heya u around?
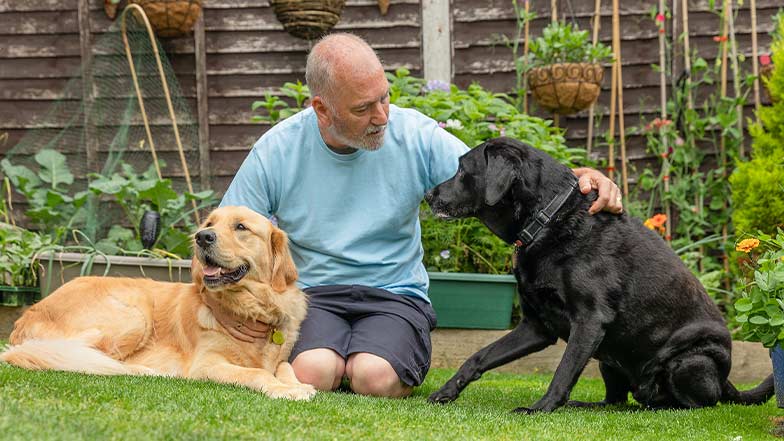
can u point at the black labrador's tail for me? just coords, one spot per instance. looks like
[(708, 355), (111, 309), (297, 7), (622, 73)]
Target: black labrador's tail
[(758, 395)]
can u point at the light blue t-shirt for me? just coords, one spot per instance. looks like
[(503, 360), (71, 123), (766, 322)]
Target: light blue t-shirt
[(351, 219)]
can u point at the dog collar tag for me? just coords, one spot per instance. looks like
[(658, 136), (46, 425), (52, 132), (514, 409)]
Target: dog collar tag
[(277, 337)]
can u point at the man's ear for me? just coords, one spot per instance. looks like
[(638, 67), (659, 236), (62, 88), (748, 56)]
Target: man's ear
[(284, 273), (499, 175), (322, 111)]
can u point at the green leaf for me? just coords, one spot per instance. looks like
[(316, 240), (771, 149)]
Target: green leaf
[(112, 185), (159, 194), (761, 279), (19, 175), (743, 305), (777, 321), (758, 320), (200, 196), (54, 169)]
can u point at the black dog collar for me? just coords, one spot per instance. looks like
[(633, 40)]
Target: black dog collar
[(544, 216)]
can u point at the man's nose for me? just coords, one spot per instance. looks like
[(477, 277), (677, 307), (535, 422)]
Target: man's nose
[(379, 116)]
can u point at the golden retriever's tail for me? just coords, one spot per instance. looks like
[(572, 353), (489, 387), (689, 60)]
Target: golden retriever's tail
[(67, 355)]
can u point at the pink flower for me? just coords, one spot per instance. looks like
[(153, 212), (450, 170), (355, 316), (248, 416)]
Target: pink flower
[(442, 124), (660, 18), (679, 141), (764, 59)]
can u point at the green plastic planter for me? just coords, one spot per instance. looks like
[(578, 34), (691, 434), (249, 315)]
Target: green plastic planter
[(476, 301), (18, 296)]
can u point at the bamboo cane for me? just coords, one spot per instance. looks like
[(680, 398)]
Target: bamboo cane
[(662, 134), (723, 141), (619, 85), (138, 9), (755, 56), (595, 40), (554, 18), (613, 102), (690, 105), (736, 76), (525, 55), (687, 51)]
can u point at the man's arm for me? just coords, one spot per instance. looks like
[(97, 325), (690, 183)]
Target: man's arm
[(609, 194)]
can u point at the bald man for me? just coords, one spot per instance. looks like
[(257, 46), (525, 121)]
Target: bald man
[(345, 178)]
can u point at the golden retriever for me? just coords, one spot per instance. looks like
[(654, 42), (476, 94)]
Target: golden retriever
[(105, 325)]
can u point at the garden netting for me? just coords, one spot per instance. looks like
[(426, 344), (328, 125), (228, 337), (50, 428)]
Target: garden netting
[(88, 166)]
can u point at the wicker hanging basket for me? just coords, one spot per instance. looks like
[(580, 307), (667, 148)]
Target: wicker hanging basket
[(308, 19), (566, 88), (171, 18)]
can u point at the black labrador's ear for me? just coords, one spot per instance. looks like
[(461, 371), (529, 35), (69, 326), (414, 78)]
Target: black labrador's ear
[(499, 175)]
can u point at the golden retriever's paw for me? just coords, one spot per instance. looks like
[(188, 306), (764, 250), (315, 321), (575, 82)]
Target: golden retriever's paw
[(308, 390), (301, 392)]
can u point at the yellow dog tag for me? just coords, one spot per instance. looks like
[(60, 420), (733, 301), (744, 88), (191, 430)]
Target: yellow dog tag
[(277, 337)]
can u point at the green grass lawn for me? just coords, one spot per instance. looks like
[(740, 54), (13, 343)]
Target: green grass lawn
[(57, 405)]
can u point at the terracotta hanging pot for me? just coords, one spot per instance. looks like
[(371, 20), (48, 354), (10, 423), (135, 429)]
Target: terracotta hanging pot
[(171, 18), (566, 88), (308, 19)]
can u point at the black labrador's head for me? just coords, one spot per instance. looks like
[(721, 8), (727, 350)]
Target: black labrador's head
[(501, 182)]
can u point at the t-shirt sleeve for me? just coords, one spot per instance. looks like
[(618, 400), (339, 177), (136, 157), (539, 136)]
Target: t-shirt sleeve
[(445, 149), (250, 186)]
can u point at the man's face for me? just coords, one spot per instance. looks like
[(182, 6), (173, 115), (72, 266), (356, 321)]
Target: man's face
[(360, 111)]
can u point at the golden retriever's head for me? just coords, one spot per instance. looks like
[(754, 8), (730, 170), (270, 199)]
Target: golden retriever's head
[(235, 243)]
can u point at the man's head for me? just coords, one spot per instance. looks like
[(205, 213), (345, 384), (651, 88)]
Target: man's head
[(350, 92)]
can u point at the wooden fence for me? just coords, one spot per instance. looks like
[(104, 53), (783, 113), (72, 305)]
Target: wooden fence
[(243, 52)]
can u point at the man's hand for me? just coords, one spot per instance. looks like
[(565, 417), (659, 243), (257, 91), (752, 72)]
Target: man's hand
[(242, 329), (609, 194)]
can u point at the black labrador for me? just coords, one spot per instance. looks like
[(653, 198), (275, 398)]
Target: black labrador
[(606, 284)]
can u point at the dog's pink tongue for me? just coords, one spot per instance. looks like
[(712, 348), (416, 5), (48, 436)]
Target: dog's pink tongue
[(211, 270)]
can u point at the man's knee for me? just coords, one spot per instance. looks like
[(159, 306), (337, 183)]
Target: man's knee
[(323, 368), (372, 375)]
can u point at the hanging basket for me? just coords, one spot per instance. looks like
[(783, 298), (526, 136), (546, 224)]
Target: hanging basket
[(566, 88), (171, 18), (308, 19)]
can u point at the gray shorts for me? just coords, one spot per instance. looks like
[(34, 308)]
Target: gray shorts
[(355, 318)]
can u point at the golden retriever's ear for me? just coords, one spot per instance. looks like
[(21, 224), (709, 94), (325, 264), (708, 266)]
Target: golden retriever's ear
[(284, 273)]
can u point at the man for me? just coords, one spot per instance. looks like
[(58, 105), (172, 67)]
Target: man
[(345, 179)]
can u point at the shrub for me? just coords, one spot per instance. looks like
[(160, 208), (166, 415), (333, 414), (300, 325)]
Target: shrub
[(758, 184)]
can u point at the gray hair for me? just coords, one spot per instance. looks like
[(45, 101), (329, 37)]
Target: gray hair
[(326, 56)]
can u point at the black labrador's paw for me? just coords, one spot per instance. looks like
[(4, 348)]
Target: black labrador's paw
[(446, 394), (586, 404), (544, 405)]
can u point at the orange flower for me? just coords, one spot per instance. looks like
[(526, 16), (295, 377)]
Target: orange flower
[(656, 223), (659, 219), (746, 245)]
